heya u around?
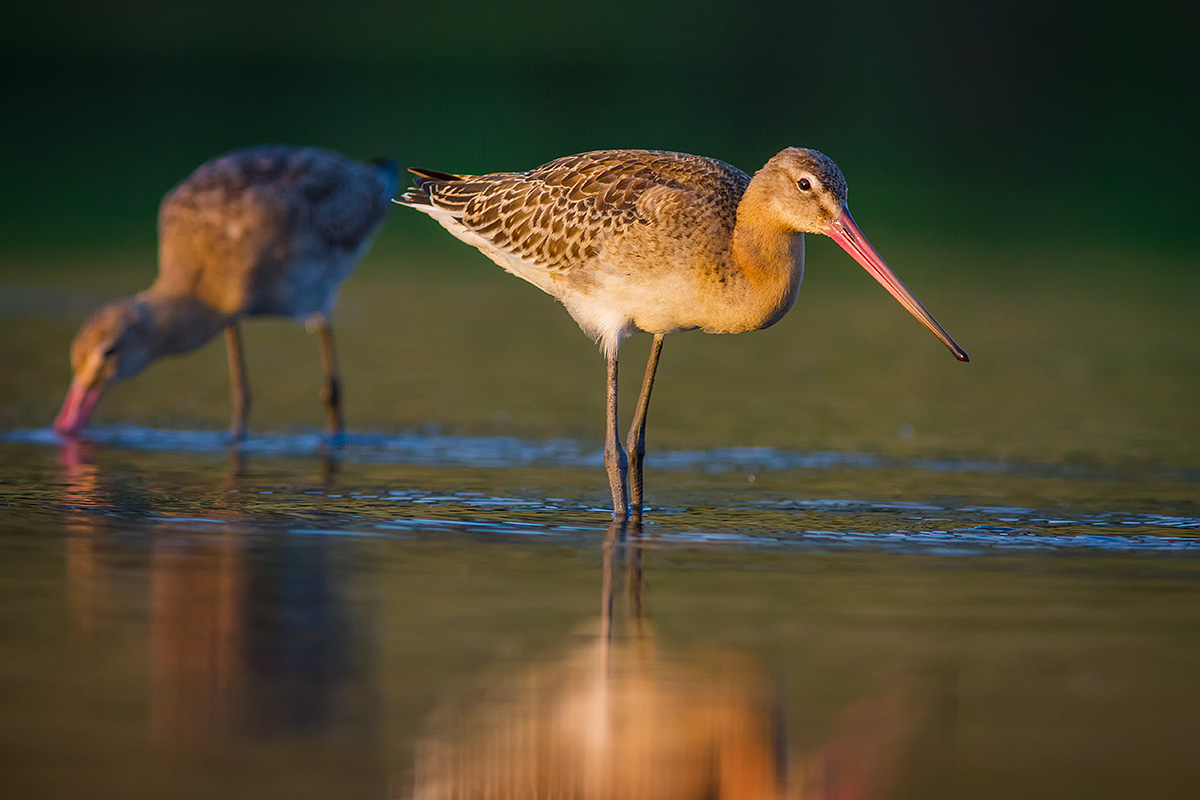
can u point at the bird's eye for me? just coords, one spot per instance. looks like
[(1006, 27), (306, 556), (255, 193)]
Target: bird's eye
[(804, 184), (111, 351)]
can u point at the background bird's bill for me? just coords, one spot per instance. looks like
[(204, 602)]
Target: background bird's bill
[(846, 233), (77, 407)]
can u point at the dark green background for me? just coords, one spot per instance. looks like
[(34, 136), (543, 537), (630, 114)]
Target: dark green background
[(1063, 123)]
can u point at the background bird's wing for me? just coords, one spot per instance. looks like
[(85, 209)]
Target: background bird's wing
[(346, 199), (231, 231), (282, 189)]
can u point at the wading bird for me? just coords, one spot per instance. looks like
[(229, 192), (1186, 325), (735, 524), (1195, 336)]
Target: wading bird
[(266, 231), (638, 240)]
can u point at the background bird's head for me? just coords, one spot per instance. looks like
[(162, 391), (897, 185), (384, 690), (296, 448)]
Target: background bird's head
[(114, 344)]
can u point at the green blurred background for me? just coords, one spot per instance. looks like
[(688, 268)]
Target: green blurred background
[(1028, 168), (1003, 119)]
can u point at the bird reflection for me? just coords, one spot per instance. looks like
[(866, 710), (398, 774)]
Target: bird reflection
[(618, 716), (625, 716), (249, 636), (328, 454), (197, 641), (86, 596)]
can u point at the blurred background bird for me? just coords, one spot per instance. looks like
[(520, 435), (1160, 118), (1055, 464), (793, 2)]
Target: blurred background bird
[(265, 231)]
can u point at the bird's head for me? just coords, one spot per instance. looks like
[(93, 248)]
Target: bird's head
[(114, 344), (808, 195), (807, 189)]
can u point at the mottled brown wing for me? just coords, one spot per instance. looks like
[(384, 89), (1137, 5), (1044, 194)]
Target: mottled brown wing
[(228, 232), (340, 199), (564, 212)]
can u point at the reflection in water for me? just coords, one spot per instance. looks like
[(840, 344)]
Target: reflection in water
[(623, 716), (638, 723), (932, 526), (248, 636), (196, 634), (329, 453), (85, 597), (438, 450)]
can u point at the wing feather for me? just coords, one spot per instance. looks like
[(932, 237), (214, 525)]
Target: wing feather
[(567, 211)]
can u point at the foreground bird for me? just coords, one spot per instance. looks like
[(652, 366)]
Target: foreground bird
[(639, 240), (257, 232)]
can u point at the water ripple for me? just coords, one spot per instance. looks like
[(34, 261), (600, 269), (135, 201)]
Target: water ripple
[(819, 526), (420, 449)]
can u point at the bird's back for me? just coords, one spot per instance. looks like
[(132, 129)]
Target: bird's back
[(562, 214), (624, 239), (270, 230)]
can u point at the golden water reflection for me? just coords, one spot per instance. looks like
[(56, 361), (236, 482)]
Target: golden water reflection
[(247, 638), (625, 715), (185, 631), (250, 639)]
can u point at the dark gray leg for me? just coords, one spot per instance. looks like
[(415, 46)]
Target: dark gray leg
[(637, 431), (239, 386), (614, 456), (331, 389)]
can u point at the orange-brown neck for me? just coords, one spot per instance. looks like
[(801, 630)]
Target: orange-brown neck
[(179, 323), (770, 255)]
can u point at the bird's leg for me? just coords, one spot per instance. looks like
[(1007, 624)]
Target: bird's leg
[(331, 389), (637, 431), (614, 456), (239, 385)]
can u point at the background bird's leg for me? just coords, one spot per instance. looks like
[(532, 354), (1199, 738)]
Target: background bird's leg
[(239, 386), (637, 432), (614, 456), (331, 389)]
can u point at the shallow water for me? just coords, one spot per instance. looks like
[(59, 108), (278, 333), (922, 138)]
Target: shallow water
[(866, 571), (301, 619)]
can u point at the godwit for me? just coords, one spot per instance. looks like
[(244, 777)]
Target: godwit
[(261, 231), (638, 240)]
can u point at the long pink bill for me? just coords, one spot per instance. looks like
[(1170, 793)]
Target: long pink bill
[(846, 233), (77, 408)]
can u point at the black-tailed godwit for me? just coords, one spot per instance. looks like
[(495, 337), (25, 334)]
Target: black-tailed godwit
[(262, 231), (638, 240)]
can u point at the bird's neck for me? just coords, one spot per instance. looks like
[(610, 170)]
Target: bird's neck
[(770, 255), (179, 322)]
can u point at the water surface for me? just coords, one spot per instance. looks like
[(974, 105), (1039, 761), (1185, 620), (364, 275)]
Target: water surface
[(865, 571)]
